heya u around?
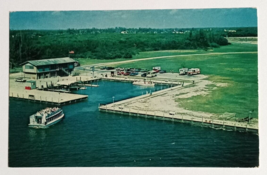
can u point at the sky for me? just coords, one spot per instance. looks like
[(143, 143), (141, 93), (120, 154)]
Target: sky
[(179, 18)]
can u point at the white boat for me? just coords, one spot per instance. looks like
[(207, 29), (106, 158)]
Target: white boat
[(83, 88), (144, 83), (46, 117)]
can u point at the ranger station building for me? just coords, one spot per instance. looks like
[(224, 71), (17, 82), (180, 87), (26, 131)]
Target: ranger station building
[(38, 69)]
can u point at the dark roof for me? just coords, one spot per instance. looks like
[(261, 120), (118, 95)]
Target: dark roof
[(50, 61)]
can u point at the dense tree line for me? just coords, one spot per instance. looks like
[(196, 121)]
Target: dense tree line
[(106, 43)]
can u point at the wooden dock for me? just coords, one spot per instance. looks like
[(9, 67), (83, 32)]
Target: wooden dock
[(56, 98)]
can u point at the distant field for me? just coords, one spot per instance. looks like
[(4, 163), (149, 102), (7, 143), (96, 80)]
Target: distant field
[(239, 71), (251, 40), (235, 47)]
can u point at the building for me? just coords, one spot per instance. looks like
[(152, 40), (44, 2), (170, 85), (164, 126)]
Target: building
[(38, 69)]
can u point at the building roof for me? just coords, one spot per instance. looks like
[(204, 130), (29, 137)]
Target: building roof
[(50, 61)]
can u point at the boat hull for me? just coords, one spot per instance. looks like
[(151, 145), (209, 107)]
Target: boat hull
[(42, 126), (143, 84)]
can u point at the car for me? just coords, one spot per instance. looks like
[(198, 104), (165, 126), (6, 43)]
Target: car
[(171, 113), (119, 69), (21, 79), (143, 70), (133, 73), (162, 71), (120, 73), (151, 74), (137, 69), (76, 64), (126, 73), (143, 74), (110, 68)]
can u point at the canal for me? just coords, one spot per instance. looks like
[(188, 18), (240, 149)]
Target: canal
[(89, 138)]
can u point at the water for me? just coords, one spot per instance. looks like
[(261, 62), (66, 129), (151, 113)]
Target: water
[(89, 138)]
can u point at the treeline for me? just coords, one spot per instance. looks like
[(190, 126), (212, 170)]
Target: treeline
[(107, 43), (241, 32)]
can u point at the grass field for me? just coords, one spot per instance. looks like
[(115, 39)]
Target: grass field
[(239, 71), (235, 47)]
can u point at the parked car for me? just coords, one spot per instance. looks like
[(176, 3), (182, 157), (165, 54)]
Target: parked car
[(20, 79), (120, 73), (76, 64), (143, 70), (110, 68), (133, 73), (137, 69), (119, 69), (143, 74), (162, 71), (151, 74), (126, 73), (171, 113)]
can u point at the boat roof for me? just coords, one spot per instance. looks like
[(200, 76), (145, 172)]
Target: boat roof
[(66, 82)]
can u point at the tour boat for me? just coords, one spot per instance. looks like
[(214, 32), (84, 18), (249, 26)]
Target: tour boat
[(46, 117), (144, 83)]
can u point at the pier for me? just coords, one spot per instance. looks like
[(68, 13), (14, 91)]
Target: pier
[(215, 124), (49, 97), (123, 107), (154, 80), (53, 94)]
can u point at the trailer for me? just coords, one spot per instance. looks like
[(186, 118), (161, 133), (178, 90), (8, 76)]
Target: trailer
[(156, 69), (197, 70), (183, 71), (192, 71)]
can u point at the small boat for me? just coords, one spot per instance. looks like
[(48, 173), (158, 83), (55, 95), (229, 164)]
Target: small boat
[(144, 83), (46, 117), (82, 88)]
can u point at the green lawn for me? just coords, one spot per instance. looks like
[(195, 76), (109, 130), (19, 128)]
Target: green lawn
[(235, 47), (239, 71)]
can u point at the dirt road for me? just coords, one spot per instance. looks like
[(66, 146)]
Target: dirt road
[(185, 55)]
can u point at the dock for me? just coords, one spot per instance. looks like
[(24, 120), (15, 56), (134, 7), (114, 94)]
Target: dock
[(132, 79), (53, 94), (89, 85), (49, 97), (215, 124), (121, 107)]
